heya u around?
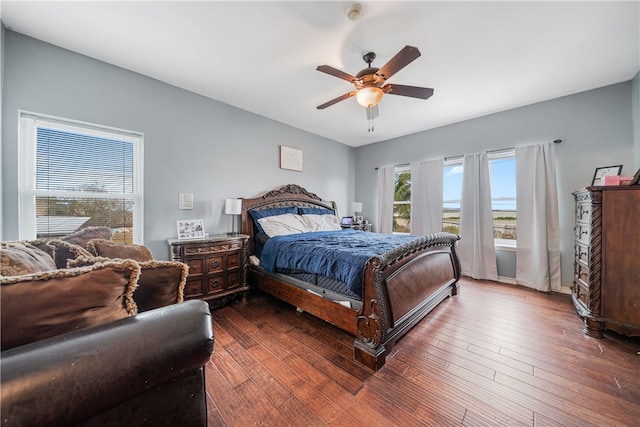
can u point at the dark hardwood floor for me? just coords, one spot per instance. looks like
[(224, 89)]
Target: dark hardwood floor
[(493, 355)]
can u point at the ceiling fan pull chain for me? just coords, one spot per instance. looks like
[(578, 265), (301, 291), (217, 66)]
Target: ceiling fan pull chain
[(372, 113)]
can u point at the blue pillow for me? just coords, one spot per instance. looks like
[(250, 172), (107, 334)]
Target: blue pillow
[(315, 211), (257, 214)]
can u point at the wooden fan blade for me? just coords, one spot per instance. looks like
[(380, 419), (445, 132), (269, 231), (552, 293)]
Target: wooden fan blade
[(403, 58), (336, 100), (412, 91), (336, 73)]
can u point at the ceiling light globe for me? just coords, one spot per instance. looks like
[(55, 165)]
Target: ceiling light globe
[(369, 96)]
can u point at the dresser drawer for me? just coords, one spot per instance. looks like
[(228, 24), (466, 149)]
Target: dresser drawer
[(582, 253), (195, 266), (582, 274), (582, 295), (583, 212), (233, 279), (583, 232), (215, 283), (211, 248), (193, 288), (215, 264), (233, 261)]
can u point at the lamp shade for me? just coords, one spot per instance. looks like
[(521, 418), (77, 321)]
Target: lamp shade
[(356, 207), (369, 96), (233, 206)]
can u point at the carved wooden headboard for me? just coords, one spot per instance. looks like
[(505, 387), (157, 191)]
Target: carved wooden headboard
[(286, 196)]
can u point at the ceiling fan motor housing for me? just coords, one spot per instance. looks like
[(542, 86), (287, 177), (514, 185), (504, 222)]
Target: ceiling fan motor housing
[(368, 77)]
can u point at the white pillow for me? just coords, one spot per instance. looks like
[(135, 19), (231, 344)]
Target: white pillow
[(321, 222), (281, 225)]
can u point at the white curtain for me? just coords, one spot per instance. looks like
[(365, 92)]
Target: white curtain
[(477, 249), (538, 252), (386, 188), (426, 196)]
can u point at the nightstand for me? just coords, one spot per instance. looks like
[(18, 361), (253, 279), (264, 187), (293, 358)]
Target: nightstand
[(217, 267), (364, 227)]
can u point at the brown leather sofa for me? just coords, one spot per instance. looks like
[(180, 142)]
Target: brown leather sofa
[(142, 370)]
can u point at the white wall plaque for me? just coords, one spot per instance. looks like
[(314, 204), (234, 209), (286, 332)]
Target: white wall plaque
[(290, 158), (185, 201)]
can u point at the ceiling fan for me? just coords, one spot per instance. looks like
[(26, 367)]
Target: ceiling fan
[(370, 82)]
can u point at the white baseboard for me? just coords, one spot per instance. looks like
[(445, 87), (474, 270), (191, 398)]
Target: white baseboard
[(509, 280), (512, 281)]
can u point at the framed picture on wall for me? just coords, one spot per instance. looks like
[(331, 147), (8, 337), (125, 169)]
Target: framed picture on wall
[(605, 171)]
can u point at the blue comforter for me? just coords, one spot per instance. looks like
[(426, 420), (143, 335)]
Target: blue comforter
[(340, 255)]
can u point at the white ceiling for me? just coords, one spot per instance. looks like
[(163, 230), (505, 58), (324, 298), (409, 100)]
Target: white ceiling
[(480, 57)]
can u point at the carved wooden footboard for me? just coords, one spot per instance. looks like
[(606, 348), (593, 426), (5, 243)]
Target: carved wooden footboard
[(399, 287)]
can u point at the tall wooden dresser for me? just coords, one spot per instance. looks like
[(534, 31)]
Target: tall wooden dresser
[(606, 284), (217, 267)]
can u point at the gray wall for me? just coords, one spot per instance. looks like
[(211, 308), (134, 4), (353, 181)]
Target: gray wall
[(197, 145), (595, 127), (1, 87), (192, 144), (635, 109)]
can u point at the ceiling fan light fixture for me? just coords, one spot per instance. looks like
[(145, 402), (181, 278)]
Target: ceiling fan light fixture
[(368, 96)]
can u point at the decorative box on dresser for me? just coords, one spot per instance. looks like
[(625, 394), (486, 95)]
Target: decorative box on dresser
[(606, 284), (217, 267)]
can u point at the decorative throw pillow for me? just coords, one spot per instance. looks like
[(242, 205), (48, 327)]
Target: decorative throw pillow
[(42, 305), (111, 249), (64, 251), (322, 222), (257, 214), (43, 245), (18, 258), (160, 283), (82, 236), (281, 225), (315, 211)]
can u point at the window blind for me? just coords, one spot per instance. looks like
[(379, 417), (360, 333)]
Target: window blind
[(77, 175)]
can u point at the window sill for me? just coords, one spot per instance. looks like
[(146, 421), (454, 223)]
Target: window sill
[(505, 245)]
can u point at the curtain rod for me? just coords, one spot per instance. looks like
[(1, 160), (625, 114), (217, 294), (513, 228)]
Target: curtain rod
[(555, 141)]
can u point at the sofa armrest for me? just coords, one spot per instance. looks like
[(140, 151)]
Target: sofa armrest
[(70, 378)]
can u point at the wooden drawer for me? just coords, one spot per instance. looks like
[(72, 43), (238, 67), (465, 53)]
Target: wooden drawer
[(212, 248), (583, 232), (193, 288), (582, 275), (215, 264), (233, 261), (582, 253), (583, 212), (582, 295), (233, 279), (215, 283), (195, 266)]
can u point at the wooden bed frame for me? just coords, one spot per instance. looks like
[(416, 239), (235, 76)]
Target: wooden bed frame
[(399, 289)]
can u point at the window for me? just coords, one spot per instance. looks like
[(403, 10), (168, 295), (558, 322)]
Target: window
[(502, 167), (76, 175), (402, 200), (452, 191)]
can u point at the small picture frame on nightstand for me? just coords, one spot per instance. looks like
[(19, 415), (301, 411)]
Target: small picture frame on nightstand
[(190, 228)]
